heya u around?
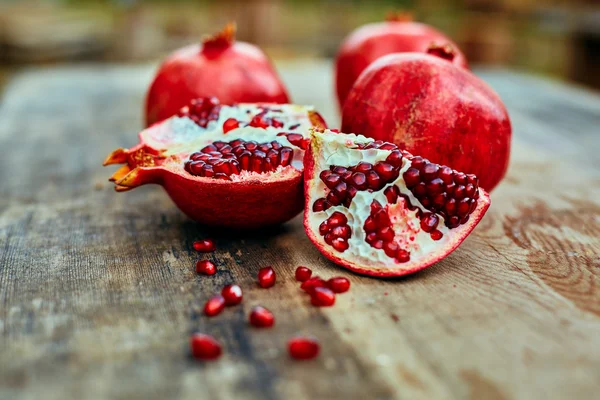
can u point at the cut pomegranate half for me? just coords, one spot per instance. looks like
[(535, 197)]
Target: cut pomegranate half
[(217, 174), (378, 210)]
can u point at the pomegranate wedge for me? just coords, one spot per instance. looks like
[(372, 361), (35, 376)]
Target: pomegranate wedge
[(232, 166), (378, 210)]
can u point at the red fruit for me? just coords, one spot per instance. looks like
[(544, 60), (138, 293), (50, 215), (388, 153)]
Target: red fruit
[(206, 267), (234, 72), (338, 284), (232, 295), (397, 35), (204, 245), (246, 178), (398, 228), (266, 277), (311, 284), (260, 317), (214, 306), (323, 297), (205, 347), (433, 108), (303, 347), (230, 124), (302, 274)]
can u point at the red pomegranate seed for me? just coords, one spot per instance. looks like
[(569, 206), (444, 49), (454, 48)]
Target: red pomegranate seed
[(214, 306), (323, 297), (436, 235), (338, 284), (205, 245), (205, 347), (266, 277), (232, 295), (303, 347), (260, 317), (302, 274), (206, 267), (309, 285), (230, 124)]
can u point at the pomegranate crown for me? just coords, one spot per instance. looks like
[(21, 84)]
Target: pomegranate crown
[(445, 51), (221, 39), (399, 16)]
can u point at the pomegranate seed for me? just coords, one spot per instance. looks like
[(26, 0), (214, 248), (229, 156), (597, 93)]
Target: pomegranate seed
[(206, 267), (338, 284), (205, 245), (260, 317), (436, 235), (214, 306), (205, 347), (323, 297), (310, 284), (303, 347), (303, 274), (266, 277), (230, 124), (232, 295)]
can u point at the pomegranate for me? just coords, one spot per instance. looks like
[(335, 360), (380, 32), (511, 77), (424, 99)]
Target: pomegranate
[(432, 108), (260, 317), (381, 211), (312, 283), (204, 245), (206, 267), (399, 34), (266, 277), (234, 72), (214, 306), (322, 297), (248, 177), (303, 347), (338, 284), (205, 347), (232, 294), (302, 274)]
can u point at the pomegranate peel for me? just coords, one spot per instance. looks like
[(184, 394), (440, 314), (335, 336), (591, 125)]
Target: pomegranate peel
[(389, 225), (267, 192)]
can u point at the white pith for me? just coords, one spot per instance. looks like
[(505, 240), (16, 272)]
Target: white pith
[(332, 149), (180, 136)]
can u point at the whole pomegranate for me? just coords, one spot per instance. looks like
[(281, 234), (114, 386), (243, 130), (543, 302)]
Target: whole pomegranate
[(232, 166), (378, 210), (234, 72), (430, 107), (398, 34)]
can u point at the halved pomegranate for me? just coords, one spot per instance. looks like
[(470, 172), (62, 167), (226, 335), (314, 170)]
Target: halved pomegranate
[(378, 210), (244, 177)]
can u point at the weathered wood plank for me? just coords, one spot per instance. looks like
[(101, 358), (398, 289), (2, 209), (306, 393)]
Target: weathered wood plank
[(98, 293)]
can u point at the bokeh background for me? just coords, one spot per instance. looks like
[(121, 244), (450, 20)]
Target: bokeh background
[(557, 38)]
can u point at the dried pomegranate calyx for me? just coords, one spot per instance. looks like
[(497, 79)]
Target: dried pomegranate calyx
[(377, 209)]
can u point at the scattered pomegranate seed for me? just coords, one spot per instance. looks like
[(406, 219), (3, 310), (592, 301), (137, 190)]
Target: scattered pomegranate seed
[(261, 317), (214, 306), (204, 245), (302, 274), (232, 295), (303, 347), (266, 277), (230, 124), (338, 284), (322, 297), (206, 267), (205, 347), (310, 284)]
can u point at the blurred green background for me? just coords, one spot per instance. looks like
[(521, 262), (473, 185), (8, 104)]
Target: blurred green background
[(549, 37)]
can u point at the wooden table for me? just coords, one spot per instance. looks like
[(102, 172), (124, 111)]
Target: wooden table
[(98, 295)]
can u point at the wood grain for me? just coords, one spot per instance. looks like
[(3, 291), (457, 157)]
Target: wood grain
[(98, 294)]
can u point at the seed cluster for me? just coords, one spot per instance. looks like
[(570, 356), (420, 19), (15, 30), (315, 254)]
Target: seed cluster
[(336, 231), (202, 110), (296, 139), (220, 160), (260, 120), (442, 190), (343, 183), (380, 234)]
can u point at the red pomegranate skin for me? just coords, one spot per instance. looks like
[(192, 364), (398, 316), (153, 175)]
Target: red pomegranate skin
[(430, 107), (372, 41), (234, 72)]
